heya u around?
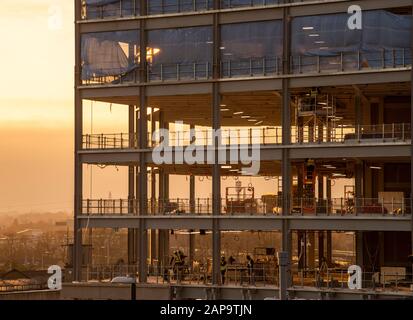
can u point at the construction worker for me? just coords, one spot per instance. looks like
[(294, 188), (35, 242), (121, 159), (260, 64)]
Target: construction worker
[(224, 268), (250, 269), (177, 262)]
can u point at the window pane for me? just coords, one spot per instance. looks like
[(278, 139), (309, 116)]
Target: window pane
[(101, 9), (248, 3), (173, 6)]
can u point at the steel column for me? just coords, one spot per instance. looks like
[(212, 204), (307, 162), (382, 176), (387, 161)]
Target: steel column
[(78, 184), (131, 188), (411, 155), (216, 168), (286, 138), (143, 143)]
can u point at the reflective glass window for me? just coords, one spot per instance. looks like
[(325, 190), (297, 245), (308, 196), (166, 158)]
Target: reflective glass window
[(175, 6), (101, 9)]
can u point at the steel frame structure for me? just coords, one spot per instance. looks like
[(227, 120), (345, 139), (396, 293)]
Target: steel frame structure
[(138, 159)]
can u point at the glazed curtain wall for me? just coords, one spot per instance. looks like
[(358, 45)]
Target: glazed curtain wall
[(248, 3), (384, 40), (180, 53), (106, 56), (172, 6), (101, 9), (251, 48)]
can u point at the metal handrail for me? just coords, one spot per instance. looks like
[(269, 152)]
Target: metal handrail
[(350, 61), (252, 207), (351, 206), (265, 66), (179, 71), (383, 133)]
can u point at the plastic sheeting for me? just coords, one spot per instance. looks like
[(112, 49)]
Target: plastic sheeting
[(183, 45), (251, 40), (329, 35), (108, 53), (253, 48)]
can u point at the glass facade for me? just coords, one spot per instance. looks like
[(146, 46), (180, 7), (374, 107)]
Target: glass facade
[(325, 43), (109, 57), (250, 49), (105, 9), (248, 3), (176, 6), (321, 43), (183, 53)]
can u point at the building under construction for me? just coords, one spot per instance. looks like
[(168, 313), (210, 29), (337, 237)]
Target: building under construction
[(323, 110)]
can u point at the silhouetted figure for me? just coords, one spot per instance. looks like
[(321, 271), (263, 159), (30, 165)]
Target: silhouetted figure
[(224, 268), (250, 269)]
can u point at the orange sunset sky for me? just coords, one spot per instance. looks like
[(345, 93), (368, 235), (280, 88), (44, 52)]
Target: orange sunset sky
[(36, 116)]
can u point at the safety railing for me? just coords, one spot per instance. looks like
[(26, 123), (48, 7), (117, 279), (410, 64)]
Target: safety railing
[(179, 71), (351, 206), (233, 206), (234, 136), (381, 133), (264, 136), (107, 272), (22, 287), (110, 141), (261, 275), (259, 67), (252, 67), (181, 207), (380, 281), (350, 61), (131, 76), (96, 207)]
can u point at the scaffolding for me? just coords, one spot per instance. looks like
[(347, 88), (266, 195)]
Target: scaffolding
[(315, 117)]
